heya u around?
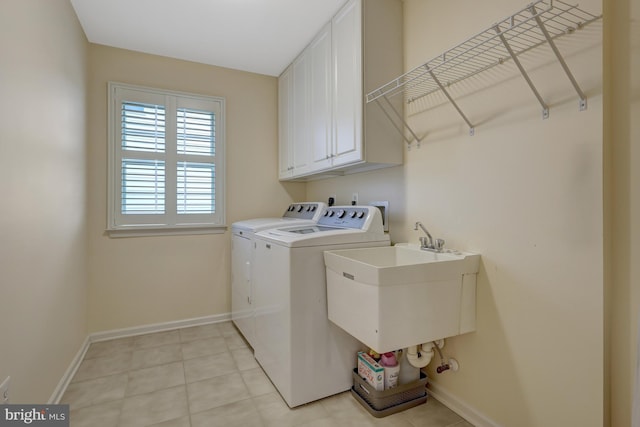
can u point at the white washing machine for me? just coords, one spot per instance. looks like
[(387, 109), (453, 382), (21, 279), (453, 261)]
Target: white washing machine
[(306, 356), (242, 248)]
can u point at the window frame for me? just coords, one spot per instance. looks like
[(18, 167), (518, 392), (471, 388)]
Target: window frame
[(129, 225)]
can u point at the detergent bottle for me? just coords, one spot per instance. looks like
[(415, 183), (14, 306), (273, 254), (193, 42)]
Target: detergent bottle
[(391, 370)]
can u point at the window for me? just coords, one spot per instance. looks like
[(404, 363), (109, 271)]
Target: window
[(166, 162)]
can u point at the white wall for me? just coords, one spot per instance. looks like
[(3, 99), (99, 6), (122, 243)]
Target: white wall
[(146, 280), (525, 193), (43, 216)]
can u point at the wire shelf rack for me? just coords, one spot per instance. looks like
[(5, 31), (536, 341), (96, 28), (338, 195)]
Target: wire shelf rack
[(536, 24)]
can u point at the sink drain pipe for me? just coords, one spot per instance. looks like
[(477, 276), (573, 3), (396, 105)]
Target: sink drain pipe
[(421, 358)]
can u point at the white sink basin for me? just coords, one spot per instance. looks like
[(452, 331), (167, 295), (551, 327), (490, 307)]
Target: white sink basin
[(397, 296), (401, 264)]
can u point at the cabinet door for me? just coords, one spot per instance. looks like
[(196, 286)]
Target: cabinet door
[(320, 99), (285, 123), (347, 83), (301, 132)]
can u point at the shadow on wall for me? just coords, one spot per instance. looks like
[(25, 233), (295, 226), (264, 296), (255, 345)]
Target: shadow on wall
[(491, 345)]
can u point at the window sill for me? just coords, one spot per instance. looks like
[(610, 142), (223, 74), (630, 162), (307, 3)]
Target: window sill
[(147, 231)]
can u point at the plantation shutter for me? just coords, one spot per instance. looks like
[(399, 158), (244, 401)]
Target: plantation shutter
[(143, 180), (196, 180), (167, 168)]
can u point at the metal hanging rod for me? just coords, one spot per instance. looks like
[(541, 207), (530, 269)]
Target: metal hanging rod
[(540, 22)]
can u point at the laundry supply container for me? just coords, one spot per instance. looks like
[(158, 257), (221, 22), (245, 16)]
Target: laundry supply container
[(381, 403)]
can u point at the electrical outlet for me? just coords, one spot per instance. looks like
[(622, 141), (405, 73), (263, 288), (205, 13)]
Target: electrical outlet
[(4, 390), (354, 199)]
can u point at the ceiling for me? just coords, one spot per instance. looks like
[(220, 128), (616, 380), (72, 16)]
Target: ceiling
[(260, 36)]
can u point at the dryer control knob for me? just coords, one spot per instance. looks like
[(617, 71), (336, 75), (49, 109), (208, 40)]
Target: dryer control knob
[(300, 208), (341, 213), (360, 215), (352, 214)]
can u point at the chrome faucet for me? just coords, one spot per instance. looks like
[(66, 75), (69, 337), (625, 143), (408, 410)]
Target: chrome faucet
[(427, 243)]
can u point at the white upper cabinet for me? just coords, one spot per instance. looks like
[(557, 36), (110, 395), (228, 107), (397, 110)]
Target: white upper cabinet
[(294, 137), (325, 126), (347, 84), (285, 123), (320, 100), (305, 110), (301, 114)]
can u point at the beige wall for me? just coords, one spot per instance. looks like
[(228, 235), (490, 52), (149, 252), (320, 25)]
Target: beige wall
[(43, 216), (525, 193), (146, 280), (622, 133)]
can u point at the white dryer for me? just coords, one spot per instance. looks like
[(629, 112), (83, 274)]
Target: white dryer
[(242, 247), (306, 356)]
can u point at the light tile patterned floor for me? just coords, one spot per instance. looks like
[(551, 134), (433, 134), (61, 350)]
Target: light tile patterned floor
[(206, 376)]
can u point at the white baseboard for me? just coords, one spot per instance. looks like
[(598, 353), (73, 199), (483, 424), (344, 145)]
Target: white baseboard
[(466, 411), (158, 327), (68, 375), (122, 333)]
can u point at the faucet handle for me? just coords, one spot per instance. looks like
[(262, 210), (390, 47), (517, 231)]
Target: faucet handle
[(424, 242), (439, 244)]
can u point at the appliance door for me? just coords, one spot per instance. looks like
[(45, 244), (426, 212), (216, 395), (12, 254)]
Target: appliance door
[(241, 285), (272, 302)]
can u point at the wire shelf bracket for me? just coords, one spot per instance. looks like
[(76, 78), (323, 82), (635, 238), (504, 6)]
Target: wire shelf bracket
[(539, 23)]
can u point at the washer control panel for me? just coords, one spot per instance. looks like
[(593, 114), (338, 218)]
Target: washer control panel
[(345, 216), (309, 210)]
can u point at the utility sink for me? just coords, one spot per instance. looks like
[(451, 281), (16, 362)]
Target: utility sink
[(401, 264), (396, 296)]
